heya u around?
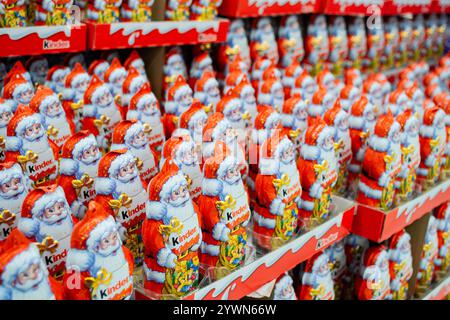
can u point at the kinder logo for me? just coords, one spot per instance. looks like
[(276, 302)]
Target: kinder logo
[(207, 37), (34, 168), (52, 45), (49, 260), (113, 289), (178, 240), (326, 241)]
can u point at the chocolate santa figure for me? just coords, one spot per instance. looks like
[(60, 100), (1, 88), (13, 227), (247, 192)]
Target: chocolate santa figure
[(201, 63), (27, 143), (290, 41), (204, 10), (225, 212), (316, 44), (348, 96), (284, 289), (38, 68), (207, 89), (337, 118), (194, 120), (98, 67), (352, 76), (406, 179), (179, 99), (318, 169), (425, 274), (23, 273), (398, 102), (361, 122), (233, 109), (46, 218), (77, 81), (182, 150), (121, 192), (262, 33), (405, 40), (144, 106), (18, 90), (322, 100), (6, 113), (443, 101), (246, 92), (101, 112), (104, 11), (432, 138), (53, 12), (357, 41), (400, 264), (391, 37), (338, 43), (442, 215), (80, 156), (236, 38), (134, 60), (133, 135), (305, 85), (278, 192), (115, 76), (218, 128), (97, 260), (136, 10), (317, 281), (375, 46), (133, 82), (172, 235), (327, 80), (291, 73), (13, 14), (14, 187), (355, 246), (272, 92), (373, 282), (59, 126), (382, 163), (338, 267), (71, 59), (17, 69), (294, 118), (174, 66), (231, 79), (178, 10), (56, 78)]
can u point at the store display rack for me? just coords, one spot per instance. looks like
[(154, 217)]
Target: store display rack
[(440, 291), (249, 278)]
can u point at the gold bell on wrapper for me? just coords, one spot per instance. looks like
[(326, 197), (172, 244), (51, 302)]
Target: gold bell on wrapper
[(121, 192), (97, 260), (225, 212), (171, 234)]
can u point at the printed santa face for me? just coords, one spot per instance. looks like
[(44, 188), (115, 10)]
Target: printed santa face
[(6, 113), (115, 76), (400, 264), (247, 94), (76, 83), (171, 235), (46, 218), (38, 68), (194, 120), (202, 63), (374, 281), (14, 187), (357, 40), (179, 98), (121, 193), (27, 142), (47, 103), (272, 93), (96, 253), (231, 106), (78, 170), (355, 246), (174, 64), (184, 152), (135, 61), (56, 78), (348, 96), (237, 37), (284, 289), (132, 84), (133, 135), (223, 189), (99, 67), (317, 47), (338, 43), (317, 282), (23, 272), (207, 90), (18, 90), (144, 106)]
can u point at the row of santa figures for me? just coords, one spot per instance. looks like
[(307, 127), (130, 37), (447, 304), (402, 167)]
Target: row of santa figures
[(21, 13), (354, 268), (337, 41)]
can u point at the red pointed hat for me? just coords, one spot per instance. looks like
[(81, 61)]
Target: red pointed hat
[(169, 170), (186, 116), (77, 70), (71, 146)]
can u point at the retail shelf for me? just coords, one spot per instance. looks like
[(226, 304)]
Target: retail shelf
[(352, 7), (378, 225), (440, 291), (258, 8), (42, 40), (157, 33)]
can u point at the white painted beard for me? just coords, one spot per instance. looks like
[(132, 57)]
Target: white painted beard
[(235, 189), (91, 168), (112, 261), (14, 204), (300, 124), (181, 212), (37, 146), (330, 157), (59, 230), (153, 120), (132, 187), (213, 100), (42, 291)]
